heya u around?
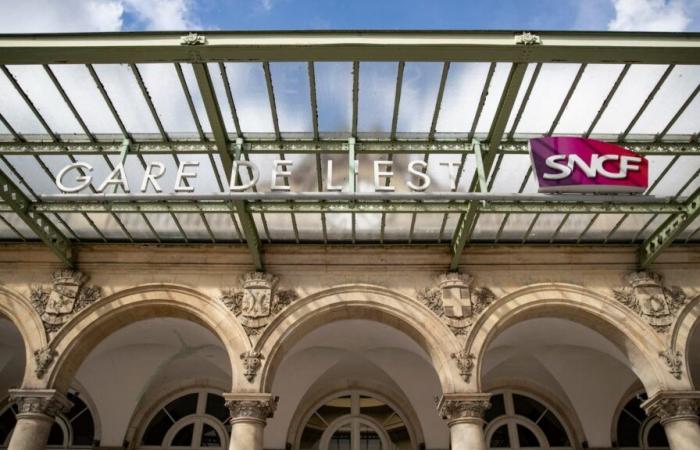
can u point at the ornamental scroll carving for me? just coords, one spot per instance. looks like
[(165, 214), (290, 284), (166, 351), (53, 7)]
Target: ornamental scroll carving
[(68, 295), (43, 359), (646, 295), (456, 301), (674, 361), (257, 302)]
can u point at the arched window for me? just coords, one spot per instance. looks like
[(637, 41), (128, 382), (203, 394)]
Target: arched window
[(516, 420), (73, 430), (352, 418), (634, 429), (195, 420)]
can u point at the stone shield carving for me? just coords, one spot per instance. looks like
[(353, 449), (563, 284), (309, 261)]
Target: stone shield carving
[(646, 295), (67, 296), (258, 301), (456, 301)]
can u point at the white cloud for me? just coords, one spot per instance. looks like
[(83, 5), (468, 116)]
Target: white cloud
[(650, 15), (267, 4), (95, 15)]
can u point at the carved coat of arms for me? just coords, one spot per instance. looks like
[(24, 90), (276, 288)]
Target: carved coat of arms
[(456, 301), (67, 296), (258, 301), (647, 296)]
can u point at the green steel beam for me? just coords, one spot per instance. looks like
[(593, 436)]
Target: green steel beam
[(669, 230), (310, 146), (17, 202), (351, 45), (211, 105), (467, 220), (425, 206)]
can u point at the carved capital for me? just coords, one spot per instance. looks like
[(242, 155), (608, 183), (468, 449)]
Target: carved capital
[(461, 408), (670, 406), (257, 301), (250, 407), (252, 360), (44, 402), (646, 295), (43, 359), (456, 301)]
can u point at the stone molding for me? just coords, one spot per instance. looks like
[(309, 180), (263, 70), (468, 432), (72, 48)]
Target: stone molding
[(456, 301), (251, 407), (67, 296), (42, 402), (463, 408), (646, 295), (670, 406), (257, 301)]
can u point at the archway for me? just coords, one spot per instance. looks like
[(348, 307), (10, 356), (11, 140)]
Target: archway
[(685, 339)]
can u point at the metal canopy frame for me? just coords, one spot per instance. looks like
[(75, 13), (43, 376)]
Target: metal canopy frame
[(204, 51)]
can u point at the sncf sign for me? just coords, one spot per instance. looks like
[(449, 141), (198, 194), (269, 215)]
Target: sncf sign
[(573, 164)]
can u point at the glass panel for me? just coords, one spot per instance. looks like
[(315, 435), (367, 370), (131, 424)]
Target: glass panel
[(553, 429), (461, 99), (250, 95), (340, 440), (291, 87), (687, 123), (334, 95), (497, 408), (419, 92), (193, 87), (55, 435), (216, 407), (500, 438), (376, 98), (183, 438), (493, 98), (369, 439), (334, 409), (7, 423), (528, 407), (83, 429), (527, 438), (310, 438), (657, 436), (210, 438), (183, 406), (160, 424), (627, 431)]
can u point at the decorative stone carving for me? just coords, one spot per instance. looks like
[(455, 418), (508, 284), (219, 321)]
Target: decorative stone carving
[(465, 363), (68, 296), (257, 407), (43, 359), (674, 361), (47, 402), (258, 301), (647, 296), (456, 301), (527, 38), (252, 360), (670, 406), (458, 408), (193, 39)]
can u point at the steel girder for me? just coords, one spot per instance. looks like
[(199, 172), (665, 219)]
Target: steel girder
[(17, 202), (669, 230)]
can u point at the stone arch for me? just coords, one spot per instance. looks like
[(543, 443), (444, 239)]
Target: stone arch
[(95, 323), (367, 302), (687, 321), (19, 310), (634, 337)]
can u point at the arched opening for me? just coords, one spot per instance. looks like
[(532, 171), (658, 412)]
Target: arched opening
[(135, 362), (692, 352), (12, 356), (356, 381), (633, 429), (580, 372)]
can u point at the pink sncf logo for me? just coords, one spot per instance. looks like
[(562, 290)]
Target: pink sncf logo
[(574, 164)]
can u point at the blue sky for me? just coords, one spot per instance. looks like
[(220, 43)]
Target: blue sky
[(133, 15)]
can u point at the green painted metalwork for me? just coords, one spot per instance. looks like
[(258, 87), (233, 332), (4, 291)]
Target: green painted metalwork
[(669, 230), (18, 203)]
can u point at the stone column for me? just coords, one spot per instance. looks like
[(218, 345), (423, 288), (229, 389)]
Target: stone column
[(678, 413), (249, 413), (37, 410), (464, 414)]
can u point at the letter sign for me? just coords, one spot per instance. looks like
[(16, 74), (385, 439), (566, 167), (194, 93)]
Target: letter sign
[(574, 164)]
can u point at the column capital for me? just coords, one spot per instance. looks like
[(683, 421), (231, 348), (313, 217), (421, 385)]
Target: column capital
[(39, 402), (670, 406), (463, 408), (250, 407)]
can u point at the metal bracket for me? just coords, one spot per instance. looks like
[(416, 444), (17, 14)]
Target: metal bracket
[(669, 230), (38, 222)]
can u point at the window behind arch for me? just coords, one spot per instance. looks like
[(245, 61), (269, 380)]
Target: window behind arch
[(636, 430), (192, 421), (519, 421), (72, 430)]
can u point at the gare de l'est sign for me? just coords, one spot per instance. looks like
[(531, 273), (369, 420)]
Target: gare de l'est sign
[(562, 164)]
